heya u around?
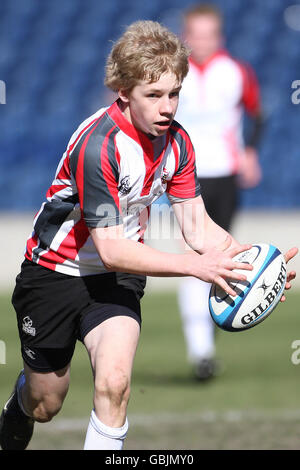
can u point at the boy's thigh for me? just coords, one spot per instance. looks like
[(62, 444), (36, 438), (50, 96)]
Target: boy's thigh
[(112, 346), (40, 385)]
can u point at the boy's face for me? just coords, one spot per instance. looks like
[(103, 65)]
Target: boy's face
[(152, 106)]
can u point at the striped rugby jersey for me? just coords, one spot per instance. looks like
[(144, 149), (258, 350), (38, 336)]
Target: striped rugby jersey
[(110, 174)]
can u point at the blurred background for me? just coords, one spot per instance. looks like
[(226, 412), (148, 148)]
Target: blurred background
[(52, 59)]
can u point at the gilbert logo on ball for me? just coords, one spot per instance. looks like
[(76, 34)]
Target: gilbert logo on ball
[(257, 297)]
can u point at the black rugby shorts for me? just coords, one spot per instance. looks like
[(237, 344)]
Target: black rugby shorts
[(55, 310)]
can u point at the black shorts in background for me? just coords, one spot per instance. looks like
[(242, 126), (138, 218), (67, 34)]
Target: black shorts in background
[(220, 196), (54, 310)]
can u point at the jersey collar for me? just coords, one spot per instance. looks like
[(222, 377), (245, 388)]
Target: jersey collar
[(204, 65)]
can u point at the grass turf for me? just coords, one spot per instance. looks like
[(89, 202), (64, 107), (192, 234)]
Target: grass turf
[(258, 388)]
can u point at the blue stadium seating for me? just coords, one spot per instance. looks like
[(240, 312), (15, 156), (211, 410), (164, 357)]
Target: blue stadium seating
[(52, 58)]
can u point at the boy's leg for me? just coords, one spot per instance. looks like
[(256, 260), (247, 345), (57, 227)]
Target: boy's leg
[(111, 347), (36, 397), (42, 394)]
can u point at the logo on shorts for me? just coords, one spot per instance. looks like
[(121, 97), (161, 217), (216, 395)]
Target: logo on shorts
[(27, 326), (29, 352)]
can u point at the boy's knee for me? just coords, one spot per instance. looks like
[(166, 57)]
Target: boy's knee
[(46, 408), (115, 387)]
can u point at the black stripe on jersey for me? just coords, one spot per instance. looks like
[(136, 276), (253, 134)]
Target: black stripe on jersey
[(112, 154), (101, 176), (75, 154), (50, 220), (182, 145), (183, 157), (37, 250)]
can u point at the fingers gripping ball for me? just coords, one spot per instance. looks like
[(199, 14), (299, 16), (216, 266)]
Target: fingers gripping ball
[(257, 297)]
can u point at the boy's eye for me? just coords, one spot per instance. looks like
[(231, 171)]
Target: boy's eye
[(156, 95)]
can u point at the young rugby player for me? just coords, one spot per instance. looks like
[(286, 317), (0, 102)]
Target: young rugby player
[(85, 263)]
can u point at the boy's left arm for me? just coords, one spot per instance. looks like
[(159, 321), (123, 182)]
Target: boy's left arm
[(201, 233)]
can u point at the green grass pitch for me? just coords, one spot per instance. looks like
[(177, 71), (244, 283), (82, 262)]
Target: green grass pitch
[(253, 404)]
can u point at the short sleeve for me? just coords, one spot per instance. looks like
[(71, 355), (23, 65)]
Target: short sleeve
[(184, 183)]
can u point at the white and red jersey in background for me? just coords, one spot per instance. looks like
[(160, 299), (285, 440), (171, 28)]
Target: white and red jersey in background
[(213, 98)]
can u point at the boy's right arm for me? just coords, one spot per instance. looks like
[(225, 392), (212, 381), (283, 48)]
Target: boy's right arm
[(120, 254)]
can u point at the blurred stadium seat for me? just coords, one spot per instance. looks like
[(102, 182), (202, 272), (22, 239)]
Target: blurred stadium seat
[(52, 58)]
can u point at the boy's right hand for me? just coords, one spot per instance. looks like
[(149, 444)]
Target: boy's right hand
[(216, 265)]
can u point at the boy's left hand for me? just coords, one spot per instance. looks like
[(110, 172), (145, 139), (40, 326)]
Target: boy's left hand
[(291, 253)]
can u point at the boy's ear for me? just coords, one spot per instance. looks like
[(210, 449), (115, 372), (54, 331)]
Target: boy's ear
[(124, 95)]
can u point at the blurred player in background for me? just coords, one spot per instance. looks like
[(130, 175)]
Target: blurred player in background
[(214, 95)]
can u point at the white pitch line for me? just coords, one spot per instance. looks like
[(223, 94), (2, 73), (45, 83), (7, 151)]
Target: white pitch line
[(79, 424)]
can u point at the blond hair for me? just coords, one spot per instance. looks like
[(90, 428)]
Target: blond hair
[(145, 51)]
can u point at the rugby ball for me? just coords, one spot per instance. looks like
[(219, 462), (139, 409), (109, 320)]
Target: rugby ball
[(257, 297)]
